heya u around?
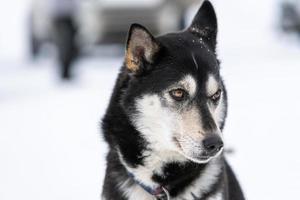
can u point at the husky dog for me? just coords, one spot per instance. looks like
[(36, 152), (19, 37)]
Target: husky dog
[(165, 118)]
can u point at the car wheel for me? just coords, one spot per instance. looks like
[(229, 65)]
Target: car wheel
[(288, 17), (34, 43), (64, 37), (182, 22)]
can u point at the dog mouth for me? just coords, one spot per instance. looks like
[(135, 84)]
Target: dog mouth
[(197, 158)]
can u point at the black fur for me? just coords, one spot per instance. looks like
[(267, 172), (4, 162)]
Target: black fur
[(171, 62)]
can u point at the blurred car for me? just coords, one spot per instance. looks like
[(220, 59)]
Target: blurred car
[(53, 21), (290, 15), (73, 25)]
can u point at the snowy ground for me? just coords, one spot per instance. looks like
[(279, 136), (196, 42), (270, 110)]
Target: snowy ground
[(50, 144)]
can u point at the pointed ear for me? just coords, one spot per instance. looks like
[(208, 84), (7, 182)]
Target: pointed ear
[(204, 24), (141, 47)]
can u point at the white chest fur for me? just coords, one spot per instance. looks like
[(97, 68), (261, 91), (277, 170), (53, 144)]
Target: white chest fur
[(200, 186), (218, 196)]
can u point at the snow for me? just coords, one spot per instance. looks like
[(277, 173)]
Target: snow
[(50, 141)]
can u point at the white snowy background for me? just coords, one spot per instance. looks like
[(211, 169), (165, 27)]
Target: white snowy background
[(50, 143)]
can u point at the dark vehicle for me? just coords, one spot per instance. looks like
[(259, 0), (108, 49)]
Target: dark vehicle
[(290, 16), (74, 25)]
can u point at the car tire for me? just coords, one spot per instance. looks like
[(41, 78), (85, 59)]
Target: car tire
[(288, 19), (182, 22), (65, 41), (34, 43)]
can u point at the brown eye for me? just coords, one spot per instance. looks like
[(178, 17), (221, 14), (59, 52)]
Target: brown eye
[(178, 94), (216, 97)]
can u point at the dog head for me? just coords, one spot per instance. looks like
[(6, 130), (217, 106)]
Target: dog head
[(175, 96)]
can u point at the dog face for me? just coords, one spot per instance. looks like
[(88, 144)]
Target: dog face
[(175, 96)]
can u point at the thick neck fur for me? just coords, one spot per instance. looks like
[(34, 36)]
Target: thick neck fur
[(129, 152), (189, 181)]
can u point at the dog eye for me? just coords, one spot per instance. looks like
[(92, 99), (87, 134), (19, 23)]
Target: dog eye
[(178, 94), (216, 97)]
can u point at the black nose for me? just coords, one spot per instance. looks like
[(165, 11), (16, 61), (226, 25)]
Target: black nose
[(212, 145)]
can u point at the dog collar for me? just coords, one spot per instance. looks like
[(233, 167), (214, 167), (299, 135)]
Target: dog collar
[(160, 193)]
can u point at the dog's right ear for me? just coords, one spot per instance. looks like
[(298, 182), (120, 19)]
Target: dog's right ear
[(141, 47)]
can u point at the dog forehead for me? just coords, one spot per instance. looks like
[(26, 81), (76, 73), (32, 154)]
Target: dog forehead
[(188, 53), (183, 41)]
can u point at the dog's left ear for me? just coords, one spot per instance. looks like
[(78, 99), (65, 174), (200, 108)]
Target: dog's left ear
[(141, 47), (204, 24)]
